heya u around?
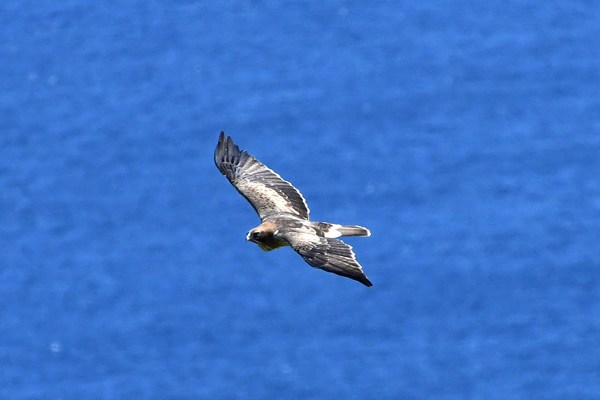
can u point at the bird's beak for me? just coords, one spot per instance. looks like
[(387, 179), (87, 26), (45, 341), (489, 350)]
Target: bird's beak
[(248, 236)]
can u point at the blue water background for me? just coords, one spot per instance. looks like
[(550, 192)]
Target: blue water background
[(465, 135)]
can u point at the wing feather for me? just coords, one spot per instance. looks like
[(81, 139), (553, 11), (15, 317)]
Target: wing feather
[(266, 191), (331, 255)]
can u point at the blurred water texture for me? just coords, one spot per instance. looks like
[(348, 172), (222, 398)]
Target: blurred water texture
[(466, 136)]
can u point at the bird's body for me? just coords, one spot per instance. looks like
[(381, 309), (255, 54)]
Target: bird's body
[(284, 215), (267, 235)]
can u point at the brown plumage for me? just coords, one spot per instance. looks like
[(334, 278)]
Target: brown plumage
[(285, 215)]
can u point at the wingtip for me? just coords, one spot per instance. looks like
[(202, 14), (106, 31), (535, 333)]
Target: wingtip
[(227, 152), (366, 282), (219, 149), (229, 142), (223, 140), (225, 143)]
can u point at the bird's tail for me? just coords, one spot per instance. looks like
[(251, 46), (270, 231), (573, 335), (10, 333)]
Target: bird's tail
[(353, 230), (337, 230)]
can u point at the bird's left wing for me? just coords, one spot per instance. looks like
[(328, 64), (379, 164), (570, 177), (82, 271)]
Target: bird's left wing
[(331, 255), (266, 191)]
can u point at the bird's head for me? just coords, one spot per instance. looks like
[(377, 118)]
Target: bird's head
[(260, 238), (253, 236)]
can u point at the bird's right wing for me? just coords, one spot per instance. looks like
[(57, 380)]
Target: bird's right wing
[(331, 255), (266, 191)]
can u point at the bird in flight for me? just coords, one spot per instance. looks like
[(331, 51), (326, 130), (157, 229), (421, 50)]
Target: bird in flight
[(284, 215)]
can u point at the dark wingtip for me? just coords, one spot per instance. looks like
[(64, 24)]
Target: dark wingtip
[(233, 151), (228, 154), (230, 145), (365, 281), (225, 147), (221, 139), (219, 150)]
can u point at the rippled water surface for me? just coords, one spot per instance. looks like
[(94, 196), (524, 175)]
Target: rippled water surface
[(465, 136)]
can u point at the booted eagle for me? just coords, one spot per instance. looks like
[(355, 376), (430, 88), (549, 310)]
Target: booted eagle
[(284, 215)]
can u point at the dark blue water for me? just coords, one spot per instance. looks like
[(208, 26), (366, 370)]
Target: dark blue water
[(466, 136)]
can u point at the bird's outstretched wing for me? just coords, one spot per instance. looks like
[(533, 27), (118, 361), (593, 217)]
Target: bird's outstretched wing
[(266, 191), (331, 255)]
